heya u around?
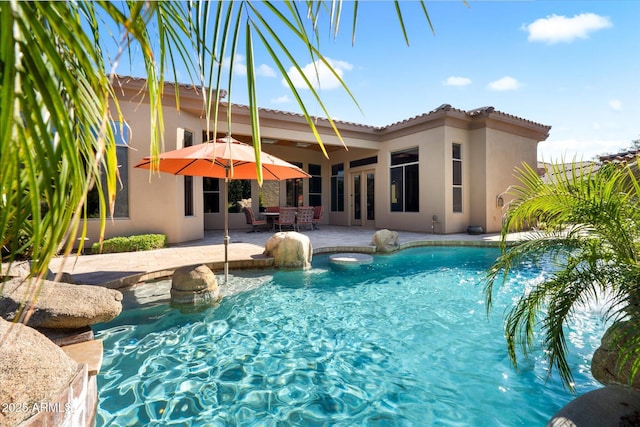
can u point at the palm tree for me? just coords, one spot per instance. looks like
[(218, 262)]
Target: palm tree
[(57, 64), (587, 224)]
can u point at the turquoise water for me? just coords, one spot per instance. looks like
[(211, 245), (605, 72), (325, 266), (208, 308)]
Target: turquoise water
[(404, 341)]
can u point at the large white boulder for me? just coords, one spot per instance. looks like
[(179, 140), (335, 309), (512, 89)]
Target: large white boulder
[(385, 240), (290, 249)]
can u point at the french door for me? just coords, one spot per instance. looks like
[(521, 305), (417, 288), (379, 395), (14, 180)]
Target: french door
[(363, 198)]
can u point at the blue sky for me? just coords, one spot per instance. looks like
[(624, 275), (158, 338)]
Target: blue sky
[(573, 65)]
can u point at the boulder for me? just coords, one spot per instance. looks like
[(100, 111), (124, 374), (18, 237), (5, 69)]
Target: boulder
[(385, 240), (611, 406), (194, 285), (22, 269), (290, 249), (33, 370), (59, 305), (16, 269), (605, 364)]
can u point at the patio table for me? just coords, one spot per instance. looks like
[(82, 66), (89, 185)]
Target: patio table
[(271, 217)]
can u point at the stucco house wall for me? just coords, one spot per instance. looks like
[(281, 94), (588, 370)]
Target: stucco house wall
[(492, 145), (155, 200), (431, 169)]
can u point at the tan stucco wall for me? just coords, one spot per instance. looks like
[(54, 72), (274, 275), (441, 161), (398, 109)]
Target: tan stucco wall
[(476, 160), (156, 202), (505, 153), (493, 144), (432, 165)]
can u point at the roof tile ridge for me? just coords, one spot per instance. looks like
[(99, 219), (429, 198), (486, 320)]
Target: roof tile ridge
[(300, 115), (502, 113)]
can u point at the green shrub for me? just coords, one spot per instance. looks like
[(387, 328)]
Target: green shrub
[(23, 246), (142, 242)]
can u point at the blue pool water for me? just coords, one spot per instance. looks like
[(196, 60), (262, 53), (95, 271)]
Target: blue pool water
[(404, 341)]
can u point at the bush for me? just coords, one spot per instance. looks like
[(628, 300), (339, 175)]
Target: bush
[(23, 250), (142, 242)]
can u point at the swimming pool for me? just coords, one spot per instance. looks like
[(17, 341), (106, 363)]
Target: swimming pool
[(402, 341)]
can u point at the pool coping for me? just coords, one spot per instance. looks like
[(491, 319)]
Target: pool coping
[(264, 262)]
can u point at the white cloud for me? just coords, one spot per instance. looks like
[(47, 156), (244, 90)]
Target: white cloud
[(240, 67), (284, 99), (615, 105), (319, 74), (457, 81), (557, 29), (505, 83), (265, 71), (605, 126)]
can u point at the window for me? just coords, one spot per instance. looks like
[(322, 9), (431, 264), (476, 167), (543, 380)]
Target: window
[(456, 156), (211, 195), (315, 185), (187, 141), (405, 196), (121, 133), (337, 188), (364, 162), (295, 193)]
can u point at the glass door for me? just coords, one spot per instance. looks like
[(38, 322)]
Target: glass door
[(356, 199), (363, 199)]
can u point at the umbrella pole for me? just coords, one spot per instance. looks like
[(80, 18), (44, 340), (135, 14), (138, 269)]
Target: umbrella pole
[(226, 233), (226, 214), (226, 262)]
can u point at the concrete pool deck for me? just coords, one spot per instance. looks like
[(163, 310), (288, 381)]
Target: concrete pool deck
[(245, 251)]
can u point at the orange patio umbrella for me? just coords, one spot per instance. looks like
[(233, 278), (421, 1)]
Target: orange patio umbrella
[(225, 158)]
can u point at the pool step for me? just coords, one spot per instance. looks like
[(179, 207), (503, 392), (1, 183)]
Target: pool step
[(89, 352)]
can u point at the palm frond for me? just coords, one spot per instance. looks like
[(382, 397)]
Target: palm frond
[(585, 217), (58, 83)]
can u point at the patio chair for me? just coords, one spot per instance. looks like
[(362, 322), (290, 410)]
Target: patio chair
[(317, 216), (305, 217), (272, 209), (251, 219), (287, 218)]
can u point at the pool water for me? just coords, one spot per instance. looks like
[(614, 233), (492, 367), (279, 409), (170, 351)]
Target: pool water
[(403, 341)]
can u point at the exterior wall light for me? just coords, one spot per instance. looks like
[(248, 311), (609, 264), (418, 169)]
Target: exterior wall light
[(499, 201)]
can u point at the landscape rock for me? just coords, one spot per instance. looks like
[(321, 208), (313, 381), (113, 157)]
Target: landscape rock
[(611, 406), (59, 305), (32, 370), (385, 240), (290, 249), (16, 269), (605, 364), (22, 269), (194, 285)]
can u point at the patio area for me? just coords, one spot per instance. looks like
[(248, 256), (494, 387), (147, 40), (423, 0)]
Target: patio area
[(245, 251)]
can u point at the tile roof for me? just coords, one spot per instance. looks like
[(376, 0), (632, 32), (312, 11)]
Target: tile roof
[(476, 112), (141, 81), (623, 156), (487, 111)]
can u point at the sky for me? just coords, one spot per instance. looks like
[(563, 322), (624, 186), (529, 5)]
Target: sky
[(572, 65)]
